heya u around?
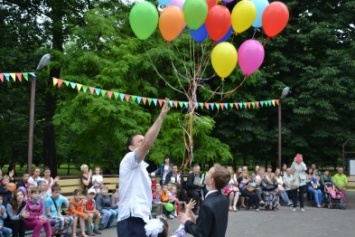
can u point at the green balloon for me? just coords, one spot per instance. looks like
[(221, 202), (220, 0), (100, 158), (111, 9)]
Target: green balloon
[(195, 12), (169, 207), (143, 19)]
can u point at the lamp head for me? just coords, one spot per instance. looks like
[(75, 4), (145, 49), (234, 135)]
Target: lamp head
[(285, 92), (43, 62)]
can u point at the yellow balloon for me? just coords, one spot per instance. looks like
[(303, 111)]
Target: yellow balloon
[(243, 15), (224, 58)]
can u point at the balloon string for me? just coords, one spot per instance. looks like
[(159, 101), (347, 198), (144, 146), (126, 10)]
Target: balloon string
[(266, 41)]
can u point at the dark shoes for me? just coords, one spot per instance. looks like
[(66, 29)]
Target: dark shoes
[(97, 232)]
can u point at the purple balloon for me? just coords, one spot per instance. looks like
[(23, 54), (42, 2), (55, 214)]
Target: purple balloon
[(250, 56), (228, 1), (178, 3)]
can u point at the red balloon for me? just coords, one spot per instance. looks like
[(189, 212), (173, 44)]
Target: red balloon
[(218, 22), (275, 18), (211, 3)]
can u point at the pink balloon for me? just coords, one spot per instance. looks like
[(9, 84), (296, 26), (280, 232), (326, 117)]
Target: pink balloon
[(250, 56), (178, 3)]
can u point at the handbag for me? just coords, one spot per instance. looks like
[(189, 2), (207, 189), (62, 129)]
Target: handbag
[(295, 183)]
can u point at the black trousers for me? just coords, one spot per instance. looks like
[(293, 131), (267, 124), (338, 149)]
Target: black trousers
[(17, 226)]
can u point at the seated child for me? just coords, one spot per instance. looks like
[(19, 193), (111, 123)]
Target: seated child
[(90, 210), (36, 220), (103, 205), (76, 210), (4, 231)]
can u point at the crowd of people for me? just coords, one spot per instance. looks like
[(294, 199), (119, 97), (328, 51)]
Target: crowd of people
[(35, 203)]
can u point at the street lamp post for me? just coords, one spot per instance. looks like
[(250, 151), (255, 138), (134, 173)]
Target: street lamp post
[(284, 93), (42, 63)]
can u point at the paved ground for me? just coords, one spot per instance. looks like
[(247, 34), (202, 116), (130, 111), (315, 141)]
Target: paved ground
[(313, 222)]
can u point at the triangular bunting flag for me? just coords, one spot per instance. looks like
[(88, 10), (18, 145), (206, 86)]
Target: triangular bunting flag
[(196, 105), (97, 91), (116, 95), (231, 105), (32, 74), (66, 83), (79, 86), (249, 105), (91, 89), (262, 103), (253, 104), (207, 105), (171, 104), (122, 96), (212, 105), (103, 92), (7, 76), (1, 77), (275, 102), (201, 105), (175, 103), (144, 100), (186, 104), (245, 104), (139, 99), (25, 75), (13, 76), (257, 104), (109, 94), (270, 103), (181, 104), (155, 101), (226, 105), (55, 81), (85, 88), (217, 105), (72, 85), (19, 76), (127, 96), (236, 105), (160, 102), (133, 98), (149, 101), (60, 83), (240, 105)]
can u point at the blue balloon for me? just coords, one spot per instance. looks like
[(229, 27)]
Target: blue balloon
[(164, 2), (227, 35), (200, 34), (260, 7)]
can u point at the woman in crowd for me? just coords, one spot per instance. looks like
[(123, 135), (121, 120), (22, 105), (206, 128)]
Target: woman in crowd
[(86, 177), (270, 192), (34, 179), (48, 179), (313, 187), (299, 168), (17, 214), (247, 188), (232, 190), (281, 187)]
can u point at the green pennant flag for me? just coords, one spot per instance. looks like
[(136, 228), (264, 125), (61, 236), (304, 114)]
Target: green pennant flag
[(103, 92), (66, 83), (85, 88), (133, 98), (253, 104), (201, 105), (217, 105), (231, 105), (25, 75), (245, 105), (116, 95), (150, 101), (181, 104)]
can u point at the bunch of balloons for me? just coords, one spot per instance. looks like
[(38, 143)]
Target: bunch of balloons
[(205, 18)]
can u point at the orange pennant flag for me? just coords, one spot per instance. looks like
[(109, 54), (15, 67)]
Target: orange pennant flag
[(2, 77), (109, 94), (207, 105), (127, 97), (144, 100), (160, 101), (19, 76), (60, 82), (175, 103), (222, 106), (249, 104), (257, 104), (236, 105), (92, 89)]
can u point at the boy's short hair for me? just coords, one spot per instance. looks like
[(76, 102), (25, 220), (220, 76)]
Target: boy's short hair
[(221, 176), (34, 190), (56, 187), (77, 192)]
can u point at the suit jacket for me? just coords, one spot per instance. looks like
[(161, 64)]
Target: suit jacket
[(190, 186), (213, 217)]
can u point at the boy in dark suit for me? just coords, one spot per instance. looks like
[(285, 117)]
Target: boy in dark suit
[(213, 217)]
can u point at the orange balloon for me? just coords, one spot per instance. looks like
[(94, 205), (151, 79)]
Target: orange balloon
[(11, 187), (171, 22), (275, 18)]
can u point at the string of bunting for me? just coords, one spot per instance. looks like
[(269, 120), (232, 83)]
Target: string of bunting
[(15, 75), (7, 76), (156, 101)]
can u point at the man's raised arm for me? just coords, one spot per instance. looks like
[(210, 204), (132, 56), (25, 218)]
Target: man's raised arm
[(152, 133)]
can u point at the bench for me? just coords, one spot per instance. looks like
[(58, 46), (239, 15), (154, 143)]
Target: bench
[(68, 185), (351, 182)]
